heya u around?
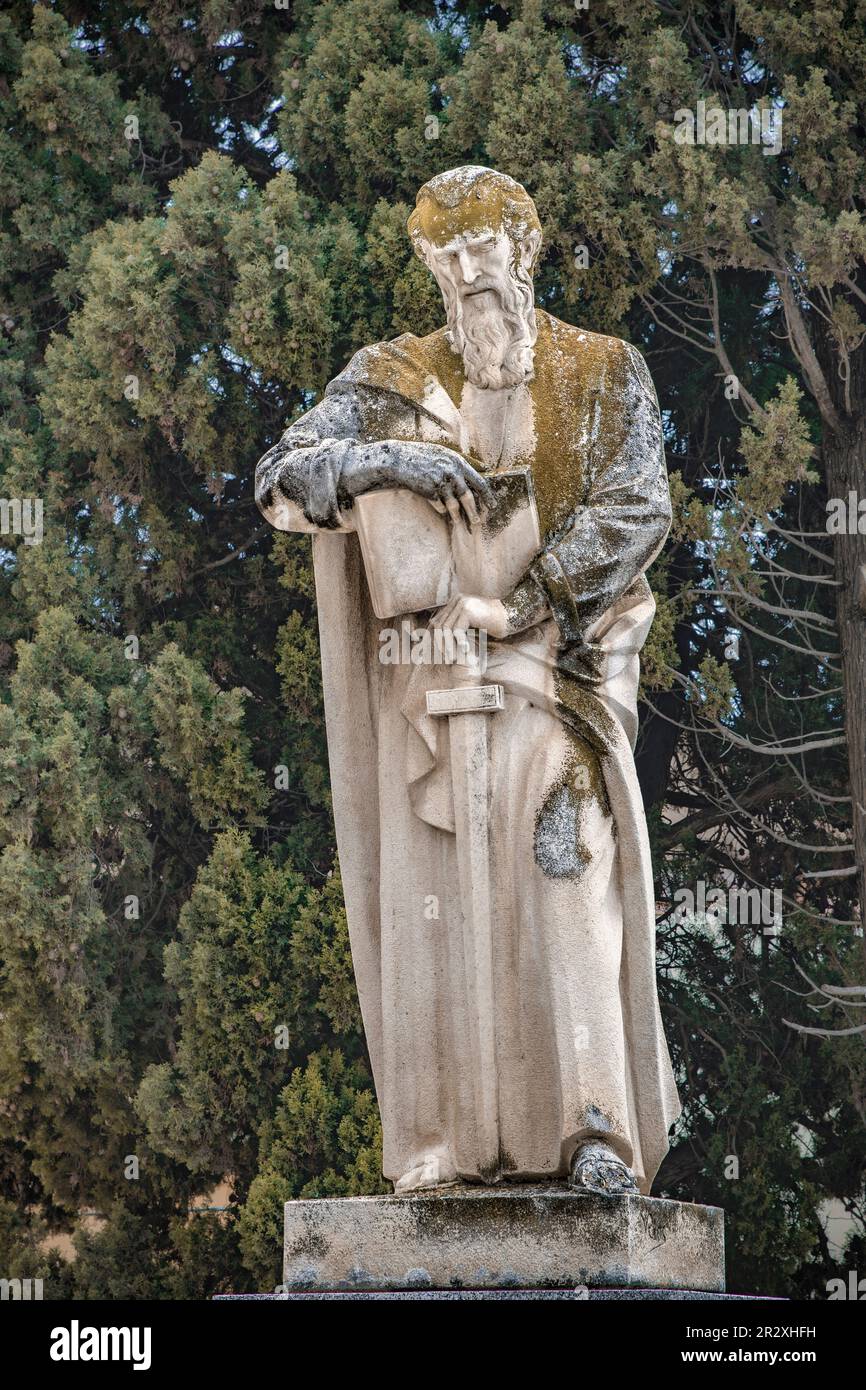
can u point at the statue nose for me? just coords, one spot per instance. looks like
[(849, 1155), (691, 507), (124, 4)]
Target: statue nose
[(468, 272)]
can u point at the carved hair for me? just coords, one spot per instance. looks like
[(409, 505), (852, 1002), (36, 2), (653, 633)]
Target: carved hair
[(470, 200), (496, 346)]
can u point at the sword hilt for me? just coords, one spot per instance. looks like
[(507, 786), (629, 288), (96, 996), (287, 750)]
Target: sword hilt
[(466, 699)]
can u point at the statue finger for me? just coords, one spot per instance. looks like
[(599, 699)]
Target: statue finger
[(467, 502), (446, 488), (478, 485), (444, 616)]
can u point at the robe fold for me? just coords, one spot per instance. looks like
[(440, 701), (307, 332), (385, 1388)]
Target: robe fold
[(580, 1050)]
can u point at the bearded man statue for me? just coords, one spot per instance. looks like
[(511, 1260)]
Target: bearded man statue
[(582, 1081)]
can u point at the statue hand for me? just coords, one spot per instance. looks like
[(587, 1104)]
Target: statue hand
[(432, 471), (478, 614)]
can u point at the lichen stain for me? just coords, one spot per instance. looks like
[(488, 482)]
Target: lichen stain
[(507, 1161), (309, 1243), (557, 848), (559, 845), (596, 1120)]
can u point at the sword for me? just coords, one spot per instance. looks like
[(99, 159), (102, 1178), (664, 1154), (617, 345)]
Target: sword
[(467, 705)]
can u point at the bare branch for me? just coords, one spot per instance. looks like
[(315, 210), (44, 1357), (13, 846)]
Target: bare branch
[(801, 344)]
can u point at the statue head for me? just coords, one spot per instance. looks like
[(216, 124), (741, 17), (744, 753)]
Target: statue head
[(478, 233)]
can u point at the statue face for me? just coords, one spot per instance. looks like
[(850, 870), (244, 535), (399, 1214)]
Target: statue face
[(475, 269), (487, 288)]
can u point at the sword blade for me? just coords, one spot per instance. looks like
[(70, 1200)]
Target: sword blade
[(468, 736)]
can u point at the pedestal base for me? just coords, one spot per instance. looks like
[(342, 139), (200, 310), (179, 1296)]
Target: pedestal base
[(499, 1238)]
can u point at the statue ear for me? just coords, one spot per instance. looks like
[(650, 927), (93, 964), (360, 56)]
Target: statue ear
[(419, 245), (422, 251), (529, 248)]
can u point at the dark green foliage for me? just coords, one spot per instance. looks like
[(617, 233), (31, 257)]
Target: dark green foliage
[(323, 1141), (262, 974), (170, 297)]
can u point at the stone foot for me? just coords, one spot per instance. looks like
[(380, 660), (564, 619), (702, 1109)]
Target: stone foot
[(596, 1168), (430, 1173)]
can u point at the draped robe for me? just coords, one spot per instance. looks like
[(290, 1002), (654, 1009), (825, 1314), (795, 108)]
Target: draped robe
[(580, 1050)]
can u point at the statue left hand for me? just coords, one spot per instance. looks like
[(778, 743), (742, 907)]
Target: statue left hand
[(467, 611)]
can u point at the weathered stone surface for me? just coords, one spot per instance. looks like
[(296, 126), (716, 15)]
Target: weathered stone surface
[(494, 1238), (494, 855), (498, 1296)]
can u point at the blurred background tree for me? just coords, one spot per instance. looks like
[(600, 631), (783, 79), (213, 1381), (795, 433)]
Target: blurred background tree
[(202, 214)]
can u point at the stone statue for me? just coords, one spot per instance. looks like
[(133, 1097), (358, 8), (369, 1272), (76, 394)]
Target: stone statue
[(495, 860)]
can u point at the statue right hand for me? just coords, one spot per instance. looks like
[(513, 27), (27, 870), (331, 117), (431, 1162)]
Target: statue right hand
[(435, 472)]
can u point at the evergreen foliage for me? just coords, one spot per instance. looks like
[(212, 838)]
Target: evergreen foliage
[(202, 215)]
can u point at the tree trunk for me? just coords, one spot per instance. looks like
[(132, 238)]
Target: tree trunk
[(845, 458)]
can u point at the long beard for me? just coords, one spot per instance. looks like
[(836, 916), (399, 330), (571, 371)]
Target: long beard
[(495, 340)]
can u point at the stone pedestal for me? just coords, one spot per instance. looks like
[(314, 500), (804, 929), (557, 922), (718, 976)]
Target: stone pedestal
[(545, 1237)]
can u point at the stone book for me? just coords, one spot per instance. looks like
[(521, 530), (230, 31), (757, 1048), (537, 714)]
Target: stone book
[(415, 558)]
